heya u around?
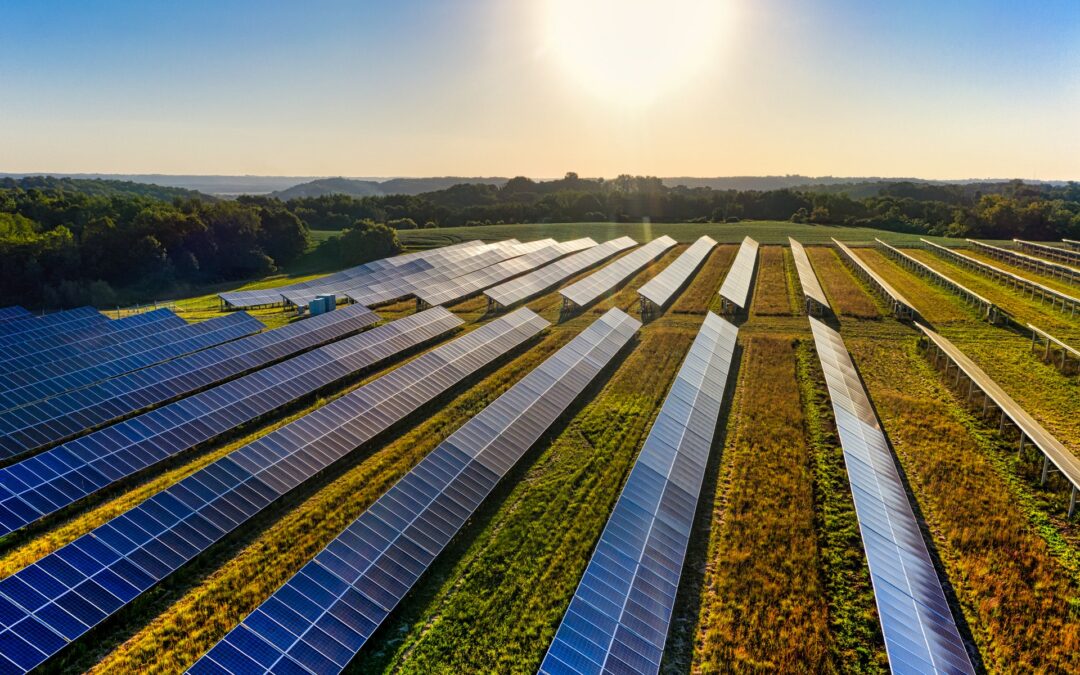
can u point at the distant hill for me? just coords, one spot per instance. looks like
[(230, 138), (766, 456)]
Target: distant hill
[(102, 187), (369, 188)]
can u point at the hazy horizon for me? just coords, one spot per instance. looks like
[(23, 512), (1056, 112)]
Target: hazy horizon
[(419, 88)]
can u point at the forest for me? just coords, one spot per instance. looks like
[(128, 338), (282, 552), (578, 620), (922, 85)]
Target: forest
[(68, 241)]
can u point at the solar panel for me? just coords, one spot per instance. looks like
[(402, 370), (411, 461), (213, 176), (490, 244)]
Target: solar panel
[(469, 284), (538, 281), (55, 419), (1068, 303), (920, 633), (660, 289), (13, 312), (125, 334), (988, 310), (901, 306), (619, 616), (1059, 253), (441, 264), (735, 291), (59, 477), (322, 616), (814, 297), (60, 597), (272, 296), (195, 336), (32, 328), (1031, 262), (591, 288)]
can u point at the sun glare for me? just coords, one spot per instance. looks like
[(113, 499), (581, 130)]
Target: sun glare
[(630, 52)]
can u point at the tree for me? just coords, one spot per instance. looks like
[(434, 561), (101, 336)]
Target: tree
[(282, 235), (365, 241)]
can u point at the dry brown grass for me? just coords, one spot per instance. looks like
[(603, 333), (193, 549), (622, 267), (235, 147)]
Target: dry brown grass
[(771, 293), (846, 295), (699, 293)]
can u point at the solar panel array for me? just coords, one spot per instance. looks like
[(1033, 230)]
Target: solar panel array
[(1030, 262), (735, 291), (195, 337), (815, 300), (534, 283), (661, 288), (619, 616), (55, 419), (591, 288), (469, 284), (457, 264), (60, 597), (272, 296), (49, 351), (1072, 244), (1059, 253), (901, 306), (1053, 450), (13, 312), (323, 615), (59, 477), (1057, 299), (918, 626), (987, 309), (33, 328)]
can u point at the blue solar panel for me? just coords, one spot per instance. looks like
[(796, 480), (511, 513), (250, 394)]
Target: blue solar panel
[(52, 420), (55, 479), (52, 353), (619, 616), (193, 338), (31, 328), (325, 614), (13, 312), (73, 589), (918, 626)]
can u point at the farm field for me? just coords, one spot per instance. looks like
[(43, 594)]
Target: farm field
[(775, 578)]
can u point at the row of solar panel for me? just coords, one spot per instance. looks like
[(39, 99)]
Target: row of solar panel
[(322, 616), (473, 262), (57, 478), (587, 290), (54, 419), (1041, 265), (661, 288), (43, 351), (619, 616), (901, 306), (1059, 253), (53, 601), (398, 282), (811, 287), (918, 626), (35, 327), (464, 286), (524, 287), (195, 337), (272, 296), (735, 291)]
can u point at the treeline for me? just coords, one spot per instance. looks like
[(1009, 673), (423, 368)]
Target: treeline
[(992, 210), (60, 248)]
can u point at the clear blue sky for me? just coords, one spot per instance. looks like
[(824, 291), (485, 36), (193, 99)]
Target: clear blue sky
[(502, 87)]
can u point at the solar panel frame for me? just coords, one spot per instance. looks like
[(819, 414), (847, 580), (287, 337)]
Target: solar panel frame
[(814, 299), (735, 291), (1063, 254), (902, 308), (916, 620), (659, 290), (636, 566), (197, 336), (1030, 262), (585, 291), (53, 420), (526, 286), (418, 516), (118, 561)]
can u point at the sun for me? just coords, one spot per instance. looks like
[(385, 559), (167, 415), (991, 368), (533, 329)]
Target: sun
[(631, 52)]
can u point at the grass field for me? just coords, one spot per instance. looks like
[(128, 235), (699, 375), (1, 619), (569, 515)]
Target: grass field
[(775, 578)]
